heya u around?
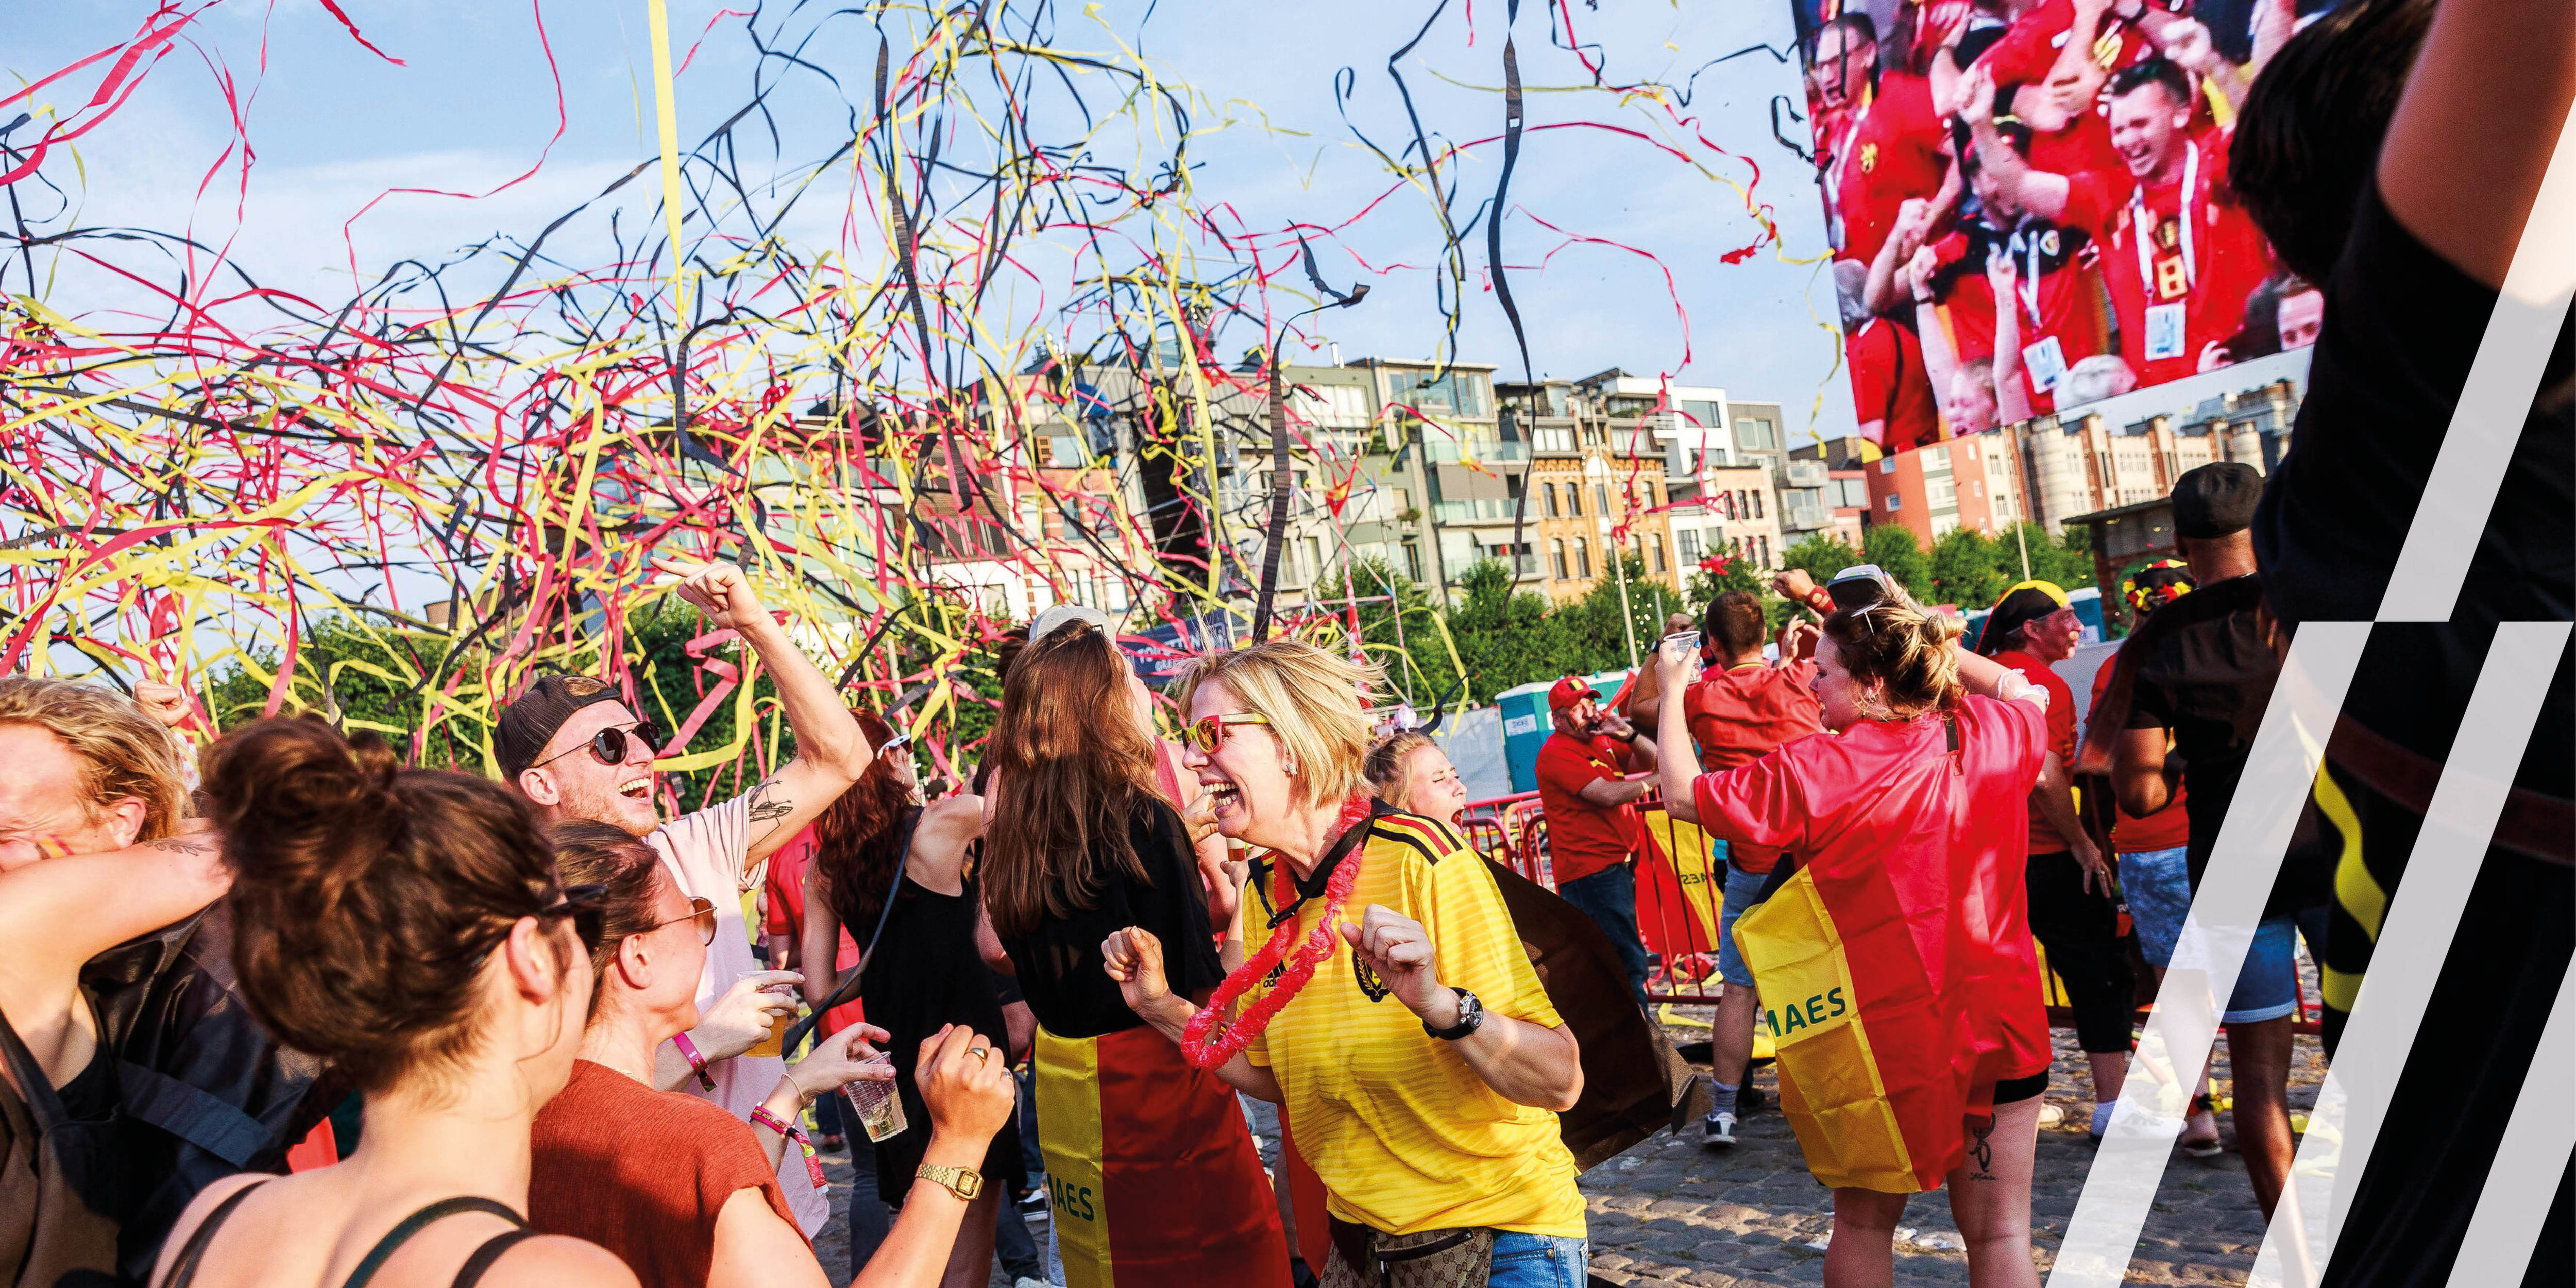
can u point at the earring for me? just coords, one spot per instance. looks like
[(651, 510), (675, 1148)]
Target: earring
[(1288, 765)]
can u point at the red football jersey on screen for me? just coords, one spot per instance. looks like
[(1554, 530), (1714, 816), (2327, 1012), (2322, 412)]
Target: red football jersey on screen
[(2179, 258)]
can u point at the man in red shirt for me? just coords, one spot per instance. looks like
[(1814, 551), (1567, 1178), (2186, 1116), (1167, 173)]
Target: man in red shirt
[(1592, 826), (2072, 912), (1740, 710), (1889, 148), (2179, 252), (1891, 389)]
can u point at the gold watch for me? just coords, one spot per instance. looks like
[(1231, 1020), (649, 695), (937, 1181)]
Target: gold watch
[(964, 1182)]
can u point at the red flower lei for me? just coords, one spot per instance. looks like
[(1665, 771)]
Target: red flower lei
[(1216, 1035)]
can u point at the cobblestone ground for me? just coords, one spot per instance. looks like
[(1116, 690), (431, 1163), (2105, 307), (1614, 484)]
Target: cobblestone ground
[(1668, 1211)]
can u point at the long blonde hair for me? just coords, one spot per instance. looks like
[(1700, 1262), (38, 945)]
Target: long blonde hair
[(1385, 764), (1073, 767), (1316, 701)]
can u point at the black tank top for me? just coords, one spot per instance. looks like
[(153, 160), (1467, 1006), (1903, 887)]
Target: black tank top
[(183, 1270), (924, 973)]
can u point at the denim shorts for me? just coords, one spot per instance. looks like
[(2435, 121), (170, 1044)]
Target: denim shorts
[(1539, 1261), (2268, 987), (1743, 889), (2157, 885)]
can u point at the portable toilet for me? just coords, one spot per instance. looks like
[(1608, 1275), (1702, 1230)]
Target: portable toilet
[(1526, 723)]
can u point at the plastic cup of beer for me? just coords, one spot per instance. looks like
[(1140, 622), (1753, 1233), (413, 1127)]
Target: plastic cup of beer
[(778, 1025), (879, 1108)]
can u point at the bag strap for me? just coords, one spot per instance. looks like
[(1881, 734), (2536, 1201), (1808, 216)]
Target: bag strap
[(421, 1220), (183, 1268), (192, 1114), (849, 988)]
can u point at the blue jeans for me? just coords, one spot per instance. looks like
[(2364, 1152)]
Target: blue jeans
[(1609, 897), (1743, 890), (1539, 1261)]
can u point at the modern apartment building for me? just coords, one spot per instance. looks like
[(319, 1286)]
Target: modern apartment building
[(1971, 482)]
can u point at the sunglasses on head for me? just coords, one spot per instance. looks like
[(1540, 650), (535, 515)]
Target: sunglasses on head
[(703, 911), (609, 745), (1208, 733), (586, 906)]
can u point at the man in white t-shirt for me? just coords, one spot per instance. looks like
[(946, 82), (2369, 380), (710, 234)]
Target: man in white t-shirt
[(570, 744)]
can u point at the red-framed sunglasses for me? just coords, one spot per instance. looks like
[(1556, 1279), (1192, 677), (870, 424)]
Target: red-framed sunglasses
[(1208, 733)]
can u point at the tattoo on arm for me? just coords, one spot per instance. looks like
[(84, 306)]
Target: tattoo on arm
[(767, 805), (183, 845)]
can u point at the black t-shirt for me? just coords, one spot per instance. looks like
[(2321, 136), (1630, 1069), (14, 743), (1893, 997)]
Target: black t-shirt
[(1061, 974), (2401, 329), (2209, 682)]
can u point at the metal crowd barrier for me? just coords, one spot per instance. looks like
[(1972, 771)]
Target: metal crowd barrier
[(1680, 892)]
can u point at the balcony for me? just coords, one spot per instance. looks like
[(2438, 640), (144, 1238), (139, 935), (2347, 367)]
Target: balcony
[(1806, 473), (1805, 518), (1478, 510), (1447, 451)]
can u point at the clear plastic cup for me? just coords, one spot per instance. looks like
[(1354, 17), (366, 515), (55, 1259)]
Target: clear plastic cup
[(774, 1044), (879, 1108)]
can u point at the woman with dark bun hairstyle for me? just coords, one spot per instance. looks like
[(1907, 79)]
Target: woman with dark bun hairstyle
[(406, 926)]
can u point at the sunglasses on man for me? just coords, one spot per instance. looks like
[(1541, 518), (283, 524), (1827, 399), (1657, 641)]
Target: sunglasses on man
[(609, 745)]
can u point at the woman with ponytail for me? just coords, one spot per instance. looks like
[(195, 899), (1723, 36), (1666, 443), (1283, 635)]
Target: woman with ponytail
[(405, 926), (1908, 822), (1387, 1006), (1153, 1177)]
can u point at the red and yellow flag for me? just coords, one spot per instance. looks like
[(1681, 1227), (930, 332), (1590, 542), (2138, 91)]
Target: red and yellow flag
[(1151, 1171)]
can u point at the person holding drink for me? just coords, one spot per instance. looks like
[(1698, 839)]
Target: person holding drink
[(1389, 1009), (700, 1206), (894, 872)]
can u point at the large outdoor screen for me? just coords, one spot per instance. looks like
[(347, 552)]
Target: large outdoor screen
[(2029, 206)]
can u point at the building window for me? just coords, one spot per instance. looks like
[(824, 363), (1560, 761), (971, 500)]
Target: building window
[(1556, 556), (1583, 558), (1600, 500), (1658, 547), (1894, 503), (1573, 501), (1551, 501), (1314, 558), (1687, 542), (1757, 505), (1412, 562), (1765, 544)]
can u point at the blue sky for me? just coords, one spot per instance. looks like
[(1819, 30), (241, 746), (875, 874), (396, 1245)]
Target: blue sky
[(333, 127)]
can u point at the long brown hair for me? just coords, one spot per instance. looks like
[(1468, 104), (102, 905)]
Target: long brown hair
[(366, 896), (1074, 768), (604, 854), (856, 837)]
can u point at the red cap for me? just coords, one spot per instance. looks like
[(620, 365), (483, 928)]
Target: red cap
[(1568, 692)]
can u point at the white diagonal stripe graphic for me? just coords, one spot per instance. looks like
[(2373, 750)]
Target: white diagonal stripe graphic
[(2278, 773), (2414, 940), (2523, 1179), (2478, 446)]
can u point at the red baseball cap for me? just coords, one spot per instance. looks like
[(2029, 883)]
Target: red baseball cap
[(1568, 692)]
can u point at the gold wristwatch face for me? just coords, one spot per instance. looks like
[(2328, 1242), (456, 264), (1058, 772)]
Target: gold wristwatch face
[(965, 1183)]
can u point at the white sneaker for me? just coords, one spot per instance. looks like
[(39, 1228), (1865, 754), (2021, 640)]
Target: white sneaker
[(2050, 1116), (1717, 1131)]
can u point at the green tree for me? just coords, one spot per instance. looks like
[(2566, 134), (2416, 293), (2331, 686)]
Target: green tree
[(1892, 547), (1593, 633), (1820, 555), (1506, 638), (1966, 570), (1402, 630)]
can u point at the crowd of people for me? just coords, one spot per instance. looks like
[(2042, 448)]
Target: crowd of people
[(2030, 202), (282, 1009)]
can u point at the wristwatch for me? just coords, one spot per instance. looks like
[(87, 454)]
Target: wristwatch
[(1471, 1016), (964, 1182)]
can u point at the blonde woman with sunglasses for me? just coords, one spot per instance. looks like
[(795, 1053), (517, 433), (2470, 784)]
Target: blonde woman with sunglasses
[(1154, 1179), (1389, 1006)]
